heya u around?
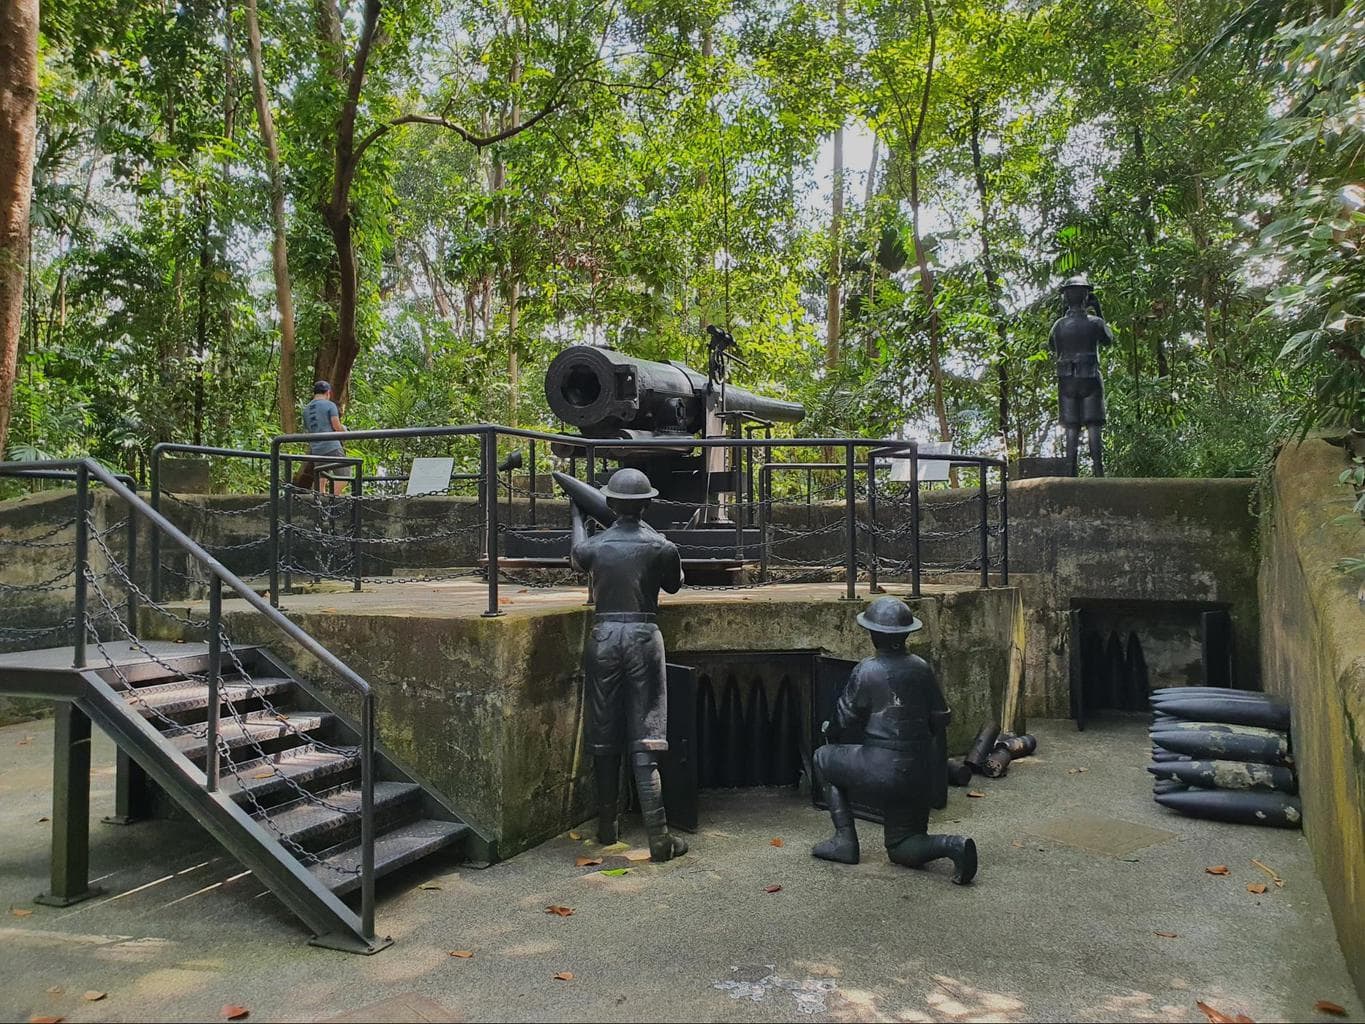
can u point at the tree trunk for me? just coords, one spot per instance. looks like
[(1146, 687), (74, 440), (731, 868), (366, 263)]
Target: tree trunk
[(18, 123), (992, 281), (836, 234), (279, 245), (201, 319)]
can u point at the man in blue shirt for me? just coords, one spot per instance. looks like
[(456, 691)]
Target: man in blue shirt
[(321, 416)]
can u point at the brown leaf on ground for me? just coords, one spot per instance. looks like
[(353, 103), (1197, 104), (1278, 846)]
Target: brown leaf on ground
[(1217, 869), (1256, 888), (564, 976), (559, 911), (1076, 771), (1327, 1006), (1219, 1017), (772, 888), (55, 990), (21, 911), (93, 996), (637, 855), (431, 885), (975, 793), (1165, 935), (1279, 882), (775, 841), (1017, 844), (25, 741), (461, 954), (262, 775), (231, 1012), (587, 862), (504, 600), (40, 1019), (575, 836), (43, 819)]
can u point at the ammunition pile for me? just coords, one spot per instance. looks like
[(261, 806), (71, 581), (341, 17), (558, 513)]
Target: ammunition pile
[(990, 754), (746, 742), (1225, 755)]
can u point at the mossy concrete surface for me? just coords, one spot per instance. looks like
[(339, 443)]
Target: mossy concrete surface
[(1074, 541), (1313, 654), (489, 711)]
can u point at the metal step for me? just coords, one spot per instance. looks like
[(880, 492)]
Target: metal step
[(339, 868), (186, 695), (306, 821), (260, 726), (264, 777)]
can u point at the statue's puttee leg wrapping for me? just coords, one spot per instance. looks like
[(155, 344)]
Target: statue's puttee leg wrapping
[(663, 845), (831, 766), (1095, 432), (607, 775)]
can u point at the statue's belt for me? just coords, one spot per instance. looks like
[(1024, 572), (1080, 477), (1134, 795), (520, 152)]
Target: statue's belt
[(624, 617)]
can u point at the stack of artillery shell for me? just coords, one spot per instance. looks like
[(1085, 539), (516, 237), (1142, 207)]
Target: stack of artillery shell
[(747, 742), (1224, 754)]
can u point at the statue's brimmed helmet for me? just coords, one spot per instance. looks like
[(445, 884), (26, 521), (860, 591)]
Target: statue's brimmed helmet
[(1078, 281), (629, 485), (889, 615)]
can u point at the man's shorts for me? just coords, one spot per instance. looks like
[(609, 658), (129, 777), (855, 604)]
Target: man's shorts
[(320, 467), (626, 688)]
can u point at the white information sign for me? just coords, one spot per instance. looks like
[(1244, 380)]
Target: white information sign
[(430, 476), (931, 471)]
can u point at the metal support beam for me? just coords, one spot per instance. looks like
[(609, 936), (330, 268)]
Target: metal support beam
[(70, 808), (132, 793)]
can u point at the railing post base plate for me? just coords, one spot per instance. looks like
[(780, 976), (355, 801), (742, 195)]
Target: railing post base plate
[(348, 943), (48, 900), (492, 615)]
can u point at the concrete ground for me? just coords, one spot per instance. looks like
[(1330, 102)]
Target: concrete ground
[(1092, 904)]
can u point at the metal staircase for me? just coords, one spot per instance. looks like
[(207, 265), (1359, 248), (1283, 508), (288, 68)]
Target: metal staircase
[(274, 770)]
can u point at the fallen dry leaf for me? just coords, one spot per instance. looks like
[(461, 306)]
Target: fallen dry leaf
[(1256, 887), (20, 912), (1217, 869), (94, 997), (1076, 771), (1279, 882), (1219, 1017), (55, 990), (637, 855), (430, 885), (1165, 935), (43, 819), (25, 741), (262, 775), (231, 1012), (975, 793), (461, 954), (38, 1019), (560, 911), (504, 600), (615, 848), (574, 835), (564, 976), (1017, 844), (587, 862), (775, 841), (1326, 1006), (772, 888)]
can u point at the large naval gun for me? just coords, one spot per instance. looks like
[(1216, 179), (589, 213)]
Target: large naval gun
[(606, 396)]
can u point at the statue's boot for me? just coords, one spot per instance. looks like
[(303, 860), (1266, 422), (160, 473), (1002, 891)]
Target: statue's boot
[(917, 851), (843, 845), (663, 845), (607, 771)]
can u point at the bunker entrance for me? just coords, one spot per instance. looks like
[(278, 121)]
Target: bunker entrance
[(1122, 650), (744, 719)]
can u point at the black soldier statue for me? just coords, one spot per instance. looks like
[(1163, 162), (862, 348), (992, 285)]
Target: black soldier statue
[(893, 699), (1074, 342), (627, 705)]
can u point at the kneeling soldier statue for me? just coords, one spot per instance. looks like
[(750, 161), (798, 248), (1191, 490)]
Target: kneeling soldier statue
[(894, 700), (627, 702)]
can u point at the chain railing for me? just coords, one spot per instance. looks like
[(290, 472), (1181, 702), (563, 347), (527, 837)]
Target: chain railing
[(89, 627)]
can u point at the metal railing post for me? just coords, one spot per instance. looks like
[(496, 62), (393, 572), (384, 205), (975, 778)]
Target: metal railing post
[(275, 524), (355, 525), (154, 541), (984, 528), (764, 482), (874, 557), (131, 558), (914, 520), (490, 498), (82, 561), (851, 525), (288, 465), (1004, 525), (367, 815), (214, 673), (531, 514)]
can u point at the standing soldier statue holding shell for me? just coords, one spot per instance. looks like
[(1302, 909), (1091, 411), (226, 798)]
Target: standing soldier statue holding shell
[(1075, 343)]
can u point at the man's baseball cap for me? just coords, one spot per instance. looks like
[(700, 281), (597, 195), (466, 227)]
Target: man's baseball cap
[(321, 388)]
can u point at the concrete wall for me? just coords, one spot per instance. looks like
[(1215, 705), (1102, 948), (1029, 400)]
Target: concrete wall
[(1313, 653), (488, 711), (1129, 540)]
